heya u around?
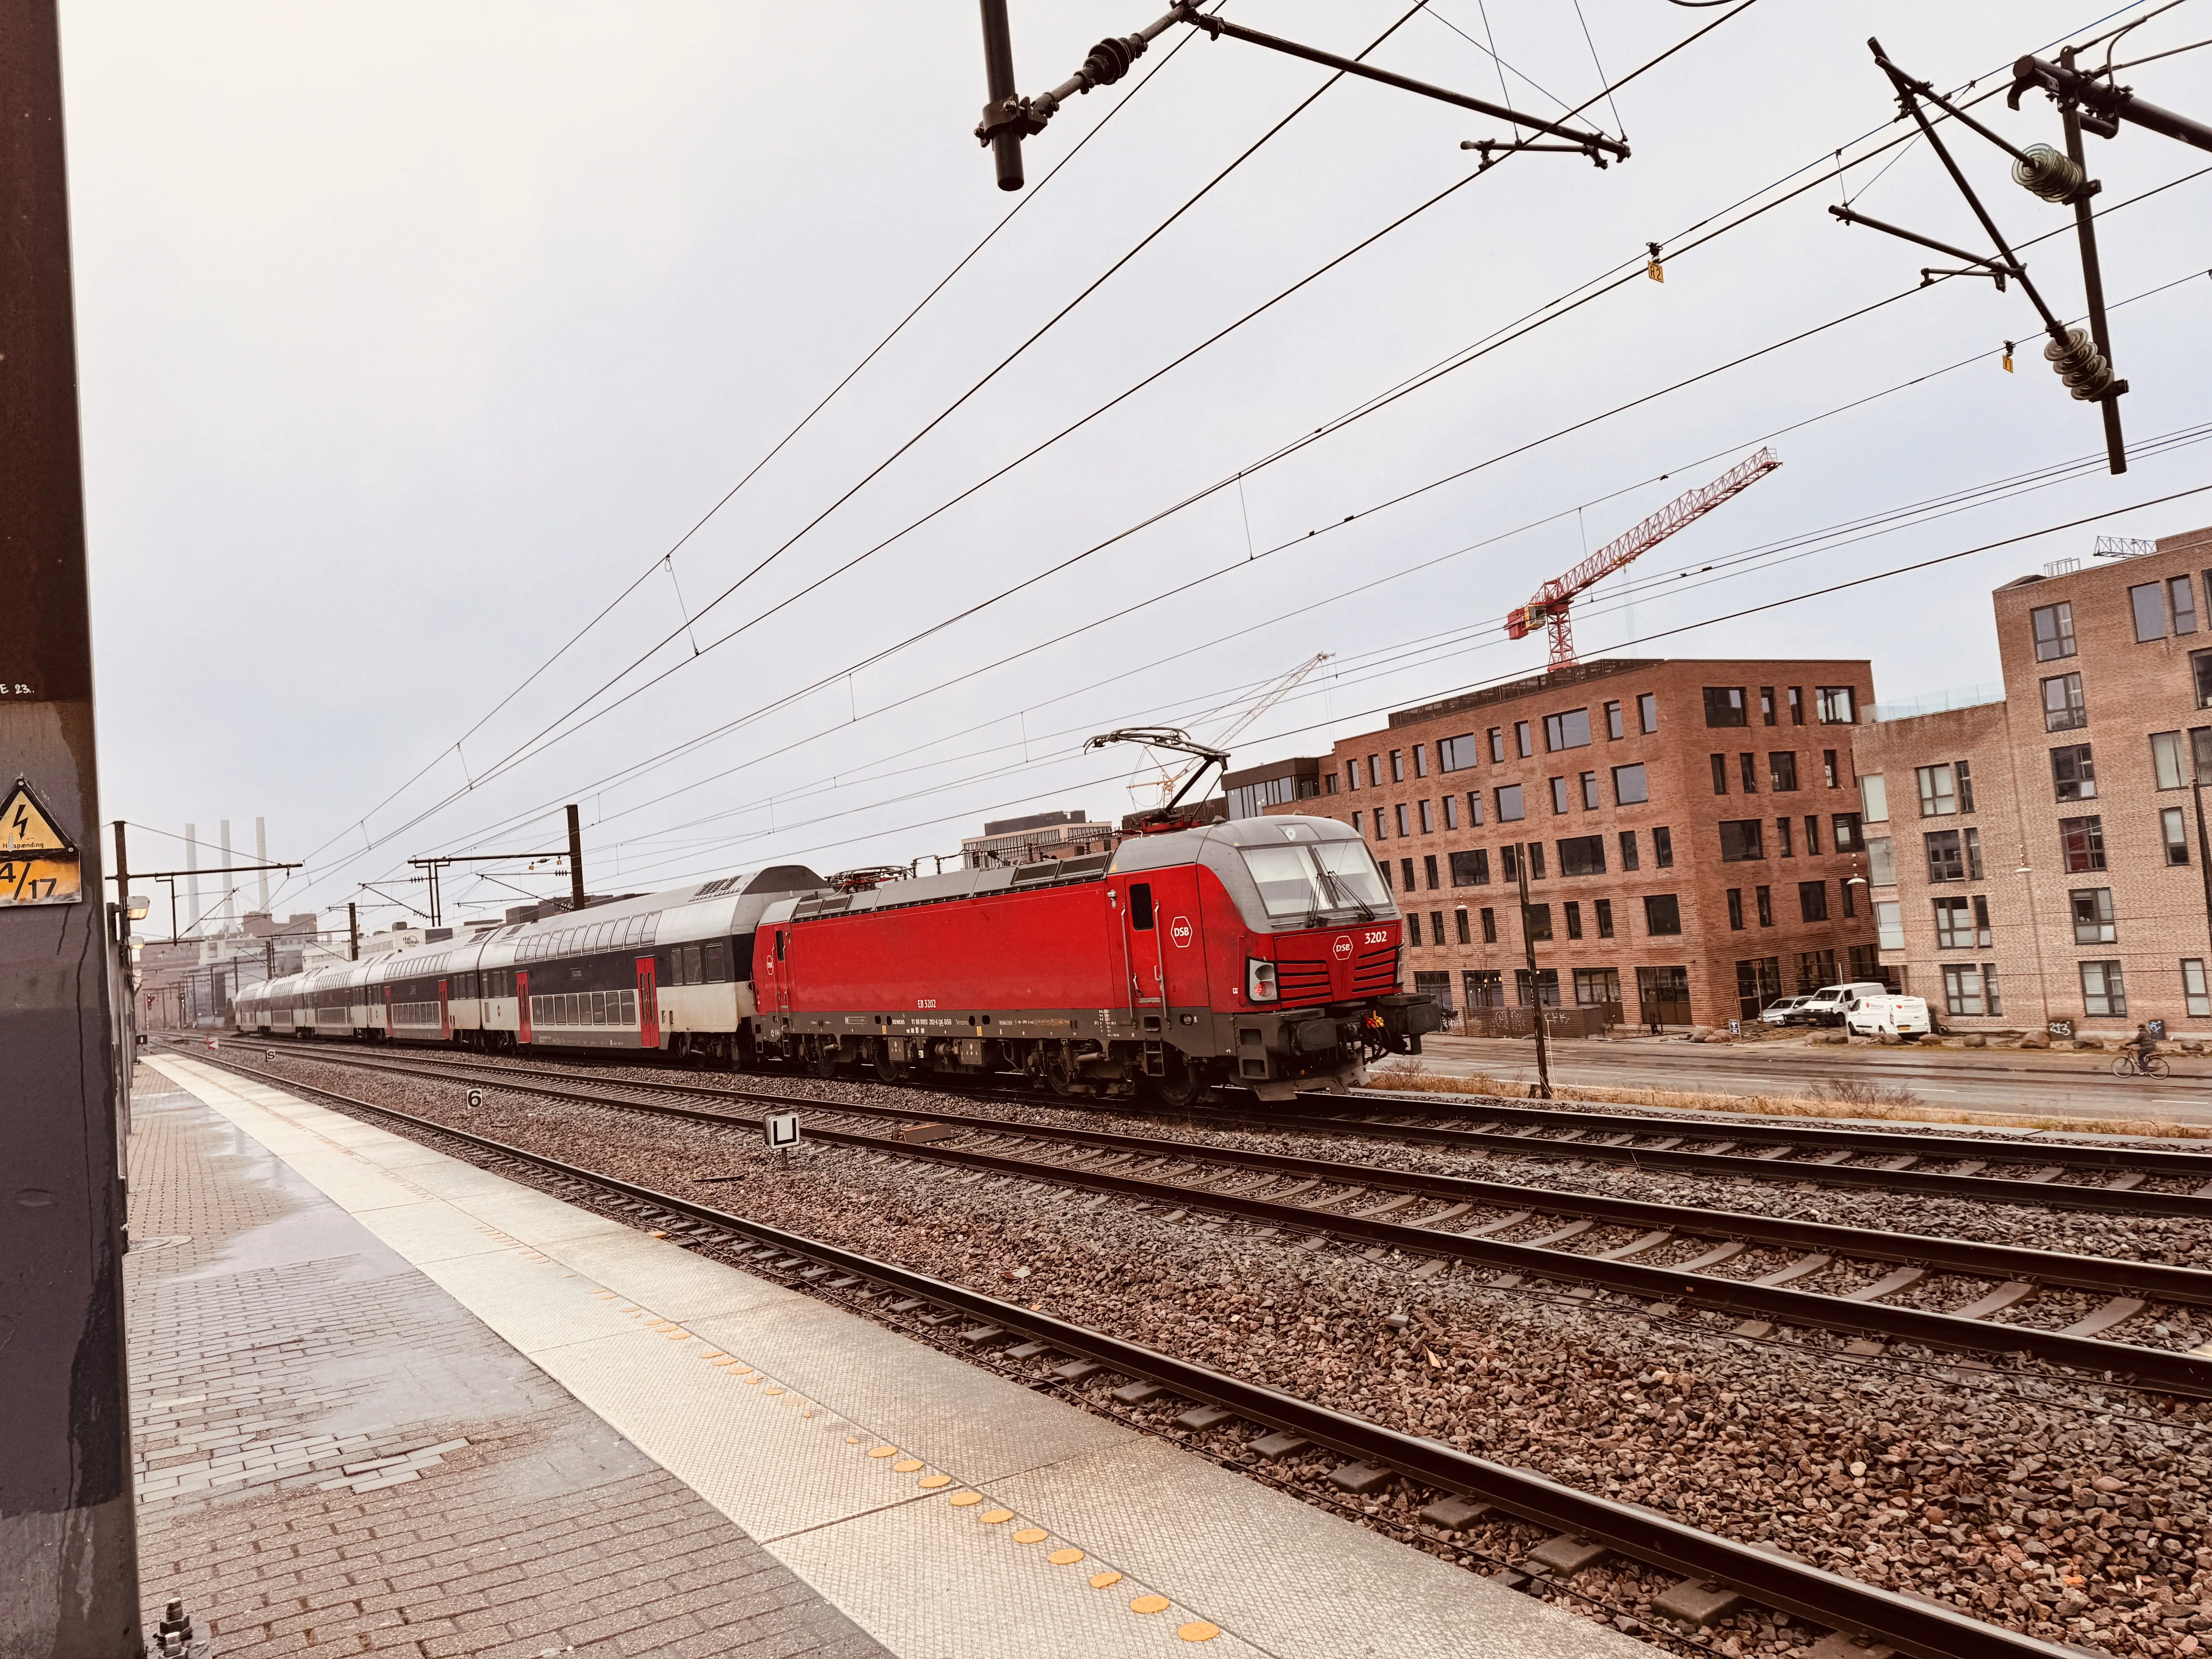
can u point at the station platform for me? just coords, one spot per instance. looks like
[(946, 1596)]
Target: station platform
[(387, 1401)]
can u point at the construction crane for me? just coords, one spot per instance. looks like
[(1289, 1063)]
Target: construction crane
[(1549, 609), (1167, 783)]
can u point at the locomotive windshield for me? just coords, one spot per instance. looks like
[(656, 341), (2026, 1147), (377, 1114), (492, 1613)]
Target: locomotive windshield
[(1292, 884)]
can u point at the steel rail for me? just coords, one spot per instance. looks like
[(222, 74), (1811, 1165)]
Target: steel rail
[(2181, 1372), (1927, 1630), (2151, 1280)]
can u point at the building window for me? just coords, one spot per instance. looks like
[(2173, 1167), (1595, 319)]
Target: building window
[(1812, 834), (1328, 783), (1374, 770), (2175, 829), (1848, 836), (1747, 767), (1647, 712), (2103, 990), (1764, 898), (1451, 812), (1459, 926), (1456, 754), (1614, 726), (1813, 901), (1724, 706), (2149, 605), (1881, 864), (1628, 858), (1596, 987), (1359, 822), (1796, 705), (1428, 870), (1536, 920), (1873, 799), (1938, 798), (1413, 928), (1954, 924), (1536, 860), (1736, 909), (1814, 970), (1781, 839), (1521, 739), (1543, 988), (1474, 807), (1839, 705), (1630, 786), (1974, 854), (1662, 914), (1828, 771), (1471, 869), (2062, 707), (2092, 916), (1407, 865), (1420, 760), (1571, 730), (1352, 773), (2074, 772), (1397, 766), (2181, 593), (1758, 982), (1428, 820), (1574, 910), (1766, 705), (1989, 989), (1742, 840), (1489, 926), (1382, 865), (1558, 796), (1782, 770), (1582, 855), (1590, 802), (2200, 669), (2195, 993), (1509, 809), (1399, 813), (1947, 858), (2083, 842), (1720, 775), (2165, 758), (1604, 908), (1509, 862), (1889, 925), (2054, 632), (1662, 847), (1849, 888), (1962, 989), (1437, 927)]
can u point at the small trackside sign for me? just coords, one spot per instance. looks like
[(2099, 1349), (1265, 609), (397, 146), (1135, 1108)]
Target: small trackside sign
[(781, 1129)]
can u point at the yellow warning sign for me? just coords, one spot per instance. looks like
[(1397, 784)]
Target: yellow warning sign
[(39, 863)]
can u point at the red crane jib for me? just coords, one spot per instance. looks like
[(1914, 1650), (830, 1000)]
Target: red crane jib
[(1550, 608)]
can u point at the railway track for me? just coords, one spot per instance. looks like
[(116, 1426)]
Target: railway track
[(1963, 1296), (1467, 1486)]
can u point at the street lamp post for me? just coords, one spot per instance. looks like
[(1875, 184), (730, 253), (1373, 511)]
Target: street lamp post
[(1535, 986)]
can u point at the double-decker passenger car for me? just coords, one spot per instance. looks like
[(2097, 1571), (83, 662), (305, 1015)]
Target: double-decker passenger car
[(1262, 952)]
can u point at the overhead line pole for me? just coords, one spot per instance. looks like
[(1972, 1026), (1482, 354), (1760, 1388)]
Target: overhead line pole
[(68, 1546)]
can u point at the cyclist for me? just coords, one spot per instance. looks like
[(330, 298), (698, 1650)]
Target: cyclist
[(2142, 1045)]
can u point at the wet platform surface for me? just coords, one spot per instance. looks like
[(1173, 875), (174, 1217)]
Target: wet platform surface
[(392, 1363)]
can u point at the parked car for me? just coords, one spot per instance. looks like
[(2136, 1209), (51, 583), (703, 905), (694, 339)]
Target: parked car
[(1790, 1011), (1831, 1003), (1903, 1017)]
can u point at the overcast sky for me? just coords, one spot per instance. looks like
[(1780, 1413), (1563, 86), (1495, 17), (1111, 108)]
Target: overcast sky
[(411, 338)]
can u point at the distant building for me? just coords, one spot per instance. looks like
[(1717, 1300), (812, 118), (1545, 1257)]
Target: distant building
[(1040, 836), (2040, 855), (1254, 789)]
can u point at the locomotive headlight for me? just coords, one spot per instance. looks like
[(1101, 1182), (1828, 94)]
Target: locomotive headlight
[(1259, 980)]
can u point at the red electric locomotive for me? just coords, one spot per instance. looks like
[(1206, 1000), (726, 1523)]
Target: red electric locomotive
[(1262, 952)]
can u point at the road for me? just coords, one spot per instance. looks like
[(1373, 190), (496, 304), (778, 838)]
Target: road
[(2068, 1084)]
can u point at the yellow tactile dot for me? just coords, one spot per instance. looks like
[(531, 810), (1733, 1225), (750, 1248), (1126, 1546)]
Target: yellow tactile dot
[(1198, 1631), (962, 1500), (1149, 1604), (755, 1380), (852, 1439), (1065, 1557), (885, 1452), (906, 1466), (1104, 1580), (933, 1481), (995, 1517), (713, 1353), (1031, 1535), (773, 1391)]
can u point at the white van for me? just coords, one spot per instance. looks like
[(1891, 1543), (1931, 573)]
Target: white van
[(1830, 1004), (1904, 1018)]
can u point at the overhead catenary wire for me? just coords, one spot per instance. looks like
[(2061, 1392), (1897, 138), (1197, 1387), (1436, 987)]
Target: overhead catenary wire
[(1722, 19)]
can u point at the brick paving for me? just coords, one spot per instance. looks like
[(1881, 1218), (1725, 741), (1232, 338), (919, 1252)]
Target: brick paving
[(333, 1456)]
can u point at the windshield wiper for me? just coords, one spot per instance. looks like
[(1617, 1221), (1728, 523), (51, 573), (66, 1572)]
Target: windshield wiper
[(1343, 896)]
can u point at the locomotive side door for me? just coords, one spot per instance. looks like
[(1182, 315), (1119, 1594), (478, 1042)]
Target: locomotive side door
[(1140, 931), (648, 1004), (1179, 939), (522, 1005), (445, 1013)]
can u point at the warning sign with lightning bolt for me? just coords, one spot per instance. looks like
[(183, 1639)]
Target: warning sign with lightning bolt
[(39, 864)]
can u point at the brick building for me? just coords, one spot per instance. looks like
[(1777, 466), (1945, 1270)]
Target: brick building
[(2043, 858), (1689, 829)]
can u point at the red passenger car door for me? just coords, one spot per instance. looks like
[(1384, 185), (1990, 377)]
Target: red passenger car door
[(648, 1005), (522, 1006), (1140, 928)]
